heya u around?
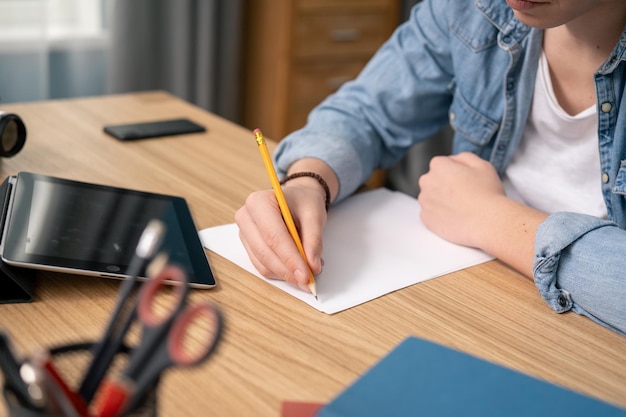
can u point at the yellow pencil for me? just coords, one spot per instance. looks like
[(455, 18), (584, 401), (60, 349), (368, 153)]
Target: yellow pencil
[(282, 203)]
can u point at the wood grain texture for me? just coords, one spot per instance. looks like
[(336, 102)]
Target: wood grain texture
[(277, 348)]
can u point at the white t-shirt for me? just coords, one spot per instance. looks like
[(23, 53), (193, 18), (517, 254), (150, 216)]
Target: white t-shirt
[(557, 165)]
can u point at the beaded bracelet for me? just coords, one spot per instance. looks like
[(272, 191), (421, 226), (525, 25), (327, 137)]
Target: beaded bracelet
[(319, 179)]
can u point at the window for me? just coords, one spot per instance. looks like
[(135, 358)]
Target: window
[(52, 49), (24, 22)]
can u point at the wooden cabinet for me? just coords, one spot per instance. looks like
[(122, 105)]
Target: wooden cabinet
[(300, 51)]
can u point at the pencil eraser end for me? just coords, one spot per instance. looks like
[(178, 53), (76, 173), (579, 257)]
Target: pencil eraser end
[(256, 131)]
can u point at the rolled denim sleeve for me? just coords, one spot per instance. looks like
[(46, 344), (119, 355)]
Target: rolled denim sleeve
[(580, 265)]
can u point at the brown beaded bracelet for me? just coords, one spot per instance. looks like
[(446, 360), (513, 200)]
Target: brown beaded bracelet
[(315, 175)]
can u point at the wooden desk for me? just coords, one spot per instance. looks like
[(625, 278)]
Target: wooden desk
[(277, 348)]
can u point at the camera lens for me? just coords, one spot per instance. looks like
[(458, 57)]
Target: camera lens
[(9, 136), (12, 134)]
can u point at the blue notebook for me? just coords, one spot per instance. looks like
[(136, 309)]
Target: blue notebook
[(421, 378)]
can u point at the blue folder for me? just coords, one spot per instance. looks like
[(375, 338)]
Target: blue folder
[(421, 378)]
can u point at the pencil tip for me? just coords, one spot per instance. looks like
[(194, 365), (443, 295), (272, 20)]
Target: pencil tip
[(313, 288)]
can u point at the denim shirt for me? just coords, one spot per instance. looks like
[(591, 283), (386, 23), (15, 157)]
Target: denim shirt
[(473, 66)]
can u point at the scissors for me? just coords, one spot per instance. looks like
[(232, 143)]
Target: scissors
[(125, 310), (163, 342)]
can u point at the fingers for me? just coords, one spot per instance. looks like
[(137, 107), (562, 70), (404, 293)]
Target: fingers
[(454, 165), (294, 279), (270, 246), (468, 158), (454, 195), (310, 224)]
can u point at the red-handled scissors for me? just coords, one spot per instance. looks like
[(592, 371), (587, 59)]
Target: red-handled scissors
[(163, 342)]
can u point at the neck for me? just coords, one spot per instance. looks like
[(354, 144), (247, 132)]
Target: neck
[(597, 32), (577, 49)]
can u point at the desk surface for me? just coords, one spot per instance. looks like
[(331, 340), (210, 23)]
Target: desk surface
[(277, 348)]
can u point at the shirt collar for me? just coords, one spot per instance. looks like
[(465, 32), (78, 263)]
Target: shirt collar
[(502, 17), (617, 56)]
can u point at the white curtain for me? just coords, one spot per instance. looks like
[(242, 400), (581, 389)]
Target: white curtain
[(191, 48), (52, 48), (70, 48)]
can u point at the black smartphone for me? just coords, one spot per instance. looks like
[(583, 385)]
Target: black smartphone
[(154, 129)]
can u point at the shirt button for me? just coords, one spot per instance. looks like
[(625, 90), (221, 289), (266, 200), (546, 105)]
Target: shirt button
[(606, 107), (605, 177), (562, 300), (452, 117)]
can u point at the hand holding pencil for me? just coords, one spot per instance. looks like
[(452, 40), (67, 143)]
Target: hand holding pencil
[(282, 203)]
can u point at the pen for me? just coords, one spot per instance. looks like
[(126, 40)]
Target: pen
[(55, 382), (10, 366), (105, 350), (46, 387), (282, 203)]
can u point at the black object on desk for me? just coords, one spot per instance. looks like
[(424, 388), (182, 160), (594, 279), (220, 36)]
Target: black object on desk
[(67, 359), (89, 229), (17, 285), (154, 129)]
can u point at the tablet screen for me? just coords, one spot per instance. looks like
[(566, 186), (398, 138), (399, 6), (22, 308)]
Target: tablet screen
[(94, 229)]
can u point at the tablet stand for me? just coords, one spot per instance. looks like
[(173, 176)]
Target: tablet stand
[(17, 285)]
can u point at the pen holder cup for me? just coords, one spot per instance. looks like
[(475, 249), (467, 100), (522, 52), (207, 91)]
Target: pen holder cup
[(71, 362)]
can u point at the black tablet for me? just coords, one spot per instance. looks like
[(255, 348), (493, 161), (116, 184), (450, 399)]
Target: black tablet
[(69, 226)]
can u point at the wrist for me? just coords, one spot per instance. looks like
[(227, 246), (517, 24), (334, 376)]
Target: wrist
[(311, 179), (508, 232)]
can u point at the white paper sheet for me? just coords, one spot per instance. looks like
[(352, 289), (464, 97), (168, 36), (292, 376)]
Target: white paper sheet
[(374, 243)]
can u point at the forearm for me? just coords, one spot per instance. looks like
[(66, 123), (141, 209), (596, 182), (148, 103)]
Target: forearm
[(507, 230), (463, 201)]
